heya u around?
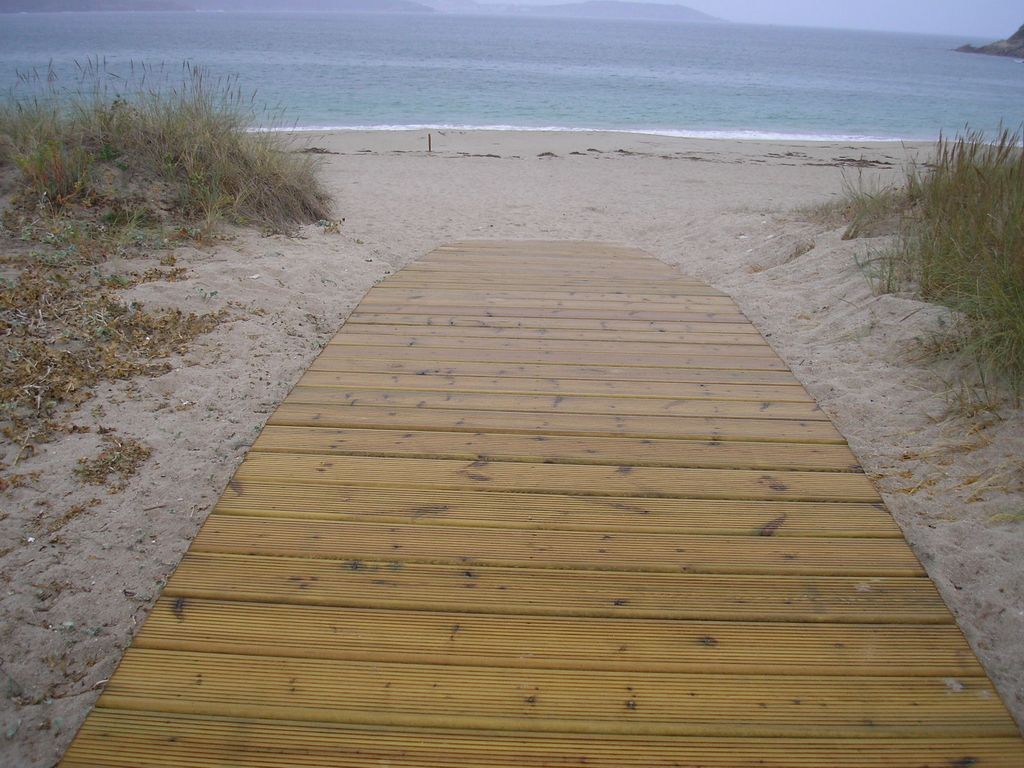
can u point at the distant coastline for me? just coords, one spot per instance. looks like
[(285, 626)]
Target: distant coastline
[(91, 6), (617, 10), (149, 6)]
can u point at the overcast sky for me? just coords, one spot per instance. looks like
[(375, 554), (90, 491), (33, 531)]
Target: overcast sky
[(984, 18)]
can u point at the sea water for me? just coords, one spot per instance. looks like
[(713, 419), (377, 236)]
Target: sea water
[(401, 71)]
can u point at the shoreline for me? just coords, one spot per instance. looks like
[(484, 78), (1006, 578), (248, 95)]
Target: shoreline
[(668, 133), (569, 143), (730, 213)]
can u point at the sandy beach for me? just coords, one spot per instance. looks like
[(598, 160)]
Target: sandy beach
[(75, 587)]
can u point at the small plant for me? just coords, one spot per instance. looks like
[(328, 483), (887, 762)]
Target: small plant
[(58, 257), (115, 281), (206, 295), (331, 227), (884, 271)]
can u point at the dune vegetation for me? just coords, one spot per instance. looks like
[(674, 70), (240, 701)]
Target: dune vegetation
[(958, 222), (105, 174), (192, 137)]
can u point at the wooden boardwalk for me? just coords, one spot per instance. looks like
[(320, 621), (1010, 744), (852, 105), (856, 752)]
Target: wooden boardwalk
[(548, 504)]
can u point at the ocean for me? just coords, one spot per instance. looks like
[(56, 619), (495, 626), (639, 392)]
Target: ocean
[(318, 71)]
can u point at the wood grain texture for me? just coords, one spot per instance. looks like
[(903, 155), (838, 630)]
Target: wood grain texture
[(548, 503)]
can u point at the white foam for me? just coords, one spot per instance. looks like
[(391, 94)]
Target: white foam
[(749, 135)]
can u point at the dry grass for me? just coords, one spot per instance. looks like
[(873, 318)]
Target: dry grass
[(119, 168), (866, 208), (873, 210), (191, 135), (65, 331), (119, 459)]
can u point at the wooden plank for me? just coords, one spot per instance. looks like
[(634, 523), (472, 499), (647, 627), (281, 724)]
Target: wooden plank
[(564, 449), (558, 550), (393, 584), (121, 739), (553, 701), (632, 374), (785, 393), (534, 272), (508, 262), (765, 362), (528, 266), (643, 427), (711, 305), (569, 479), (549, 250), (522, 282), (526, 279), (553, 276), (360, 316), (543, 311), (419, 506), (479, 256), (566, 334), (556, 642), (351, 337), (420, 273), (482, 257), (386, 292), (533, 403)]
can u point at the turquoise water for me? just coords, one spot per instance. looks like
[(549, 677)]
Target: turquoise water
[(679, 79)]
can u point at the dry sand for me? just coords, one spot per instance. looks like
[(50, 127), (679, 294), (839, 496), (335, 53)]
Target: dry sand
[(721, 210)]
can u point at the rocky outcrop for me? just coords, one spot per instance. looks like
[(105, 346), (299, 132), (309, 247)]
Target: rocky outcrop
[(1012, 46)]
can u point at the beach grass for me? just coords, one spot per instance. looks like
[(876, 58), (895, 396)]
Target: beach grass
[(192, 135), (959, 241)]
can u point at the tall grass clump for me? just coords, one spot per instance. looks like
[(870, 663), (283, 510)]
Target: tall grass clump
[(958, 223), (194, 135), (965, 245), (871, 208), (56, 172)]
